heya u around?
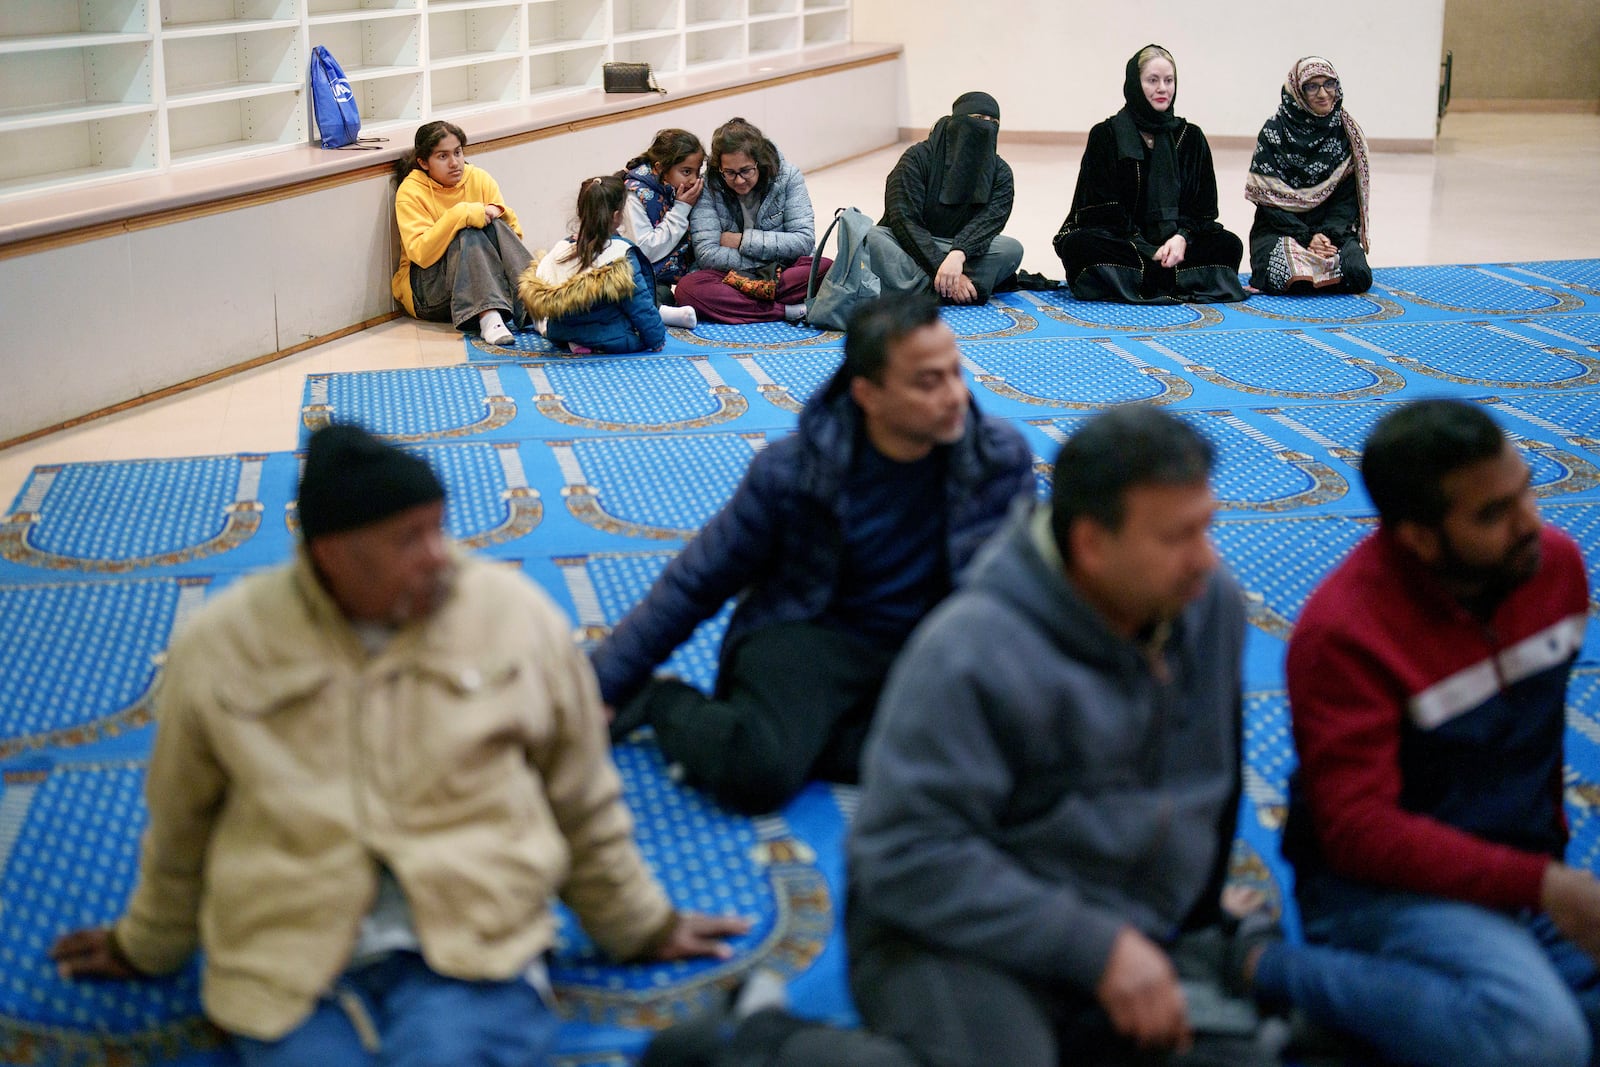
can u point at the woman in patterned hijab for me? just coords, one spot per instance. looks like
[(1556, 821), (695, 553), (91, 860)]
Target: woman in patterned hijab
[(1309, 181)]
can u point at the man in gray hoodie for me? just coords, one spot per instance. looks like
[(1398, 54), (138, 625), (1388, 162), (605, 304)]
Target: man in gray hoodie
[(1051, 786), (1051, 790)]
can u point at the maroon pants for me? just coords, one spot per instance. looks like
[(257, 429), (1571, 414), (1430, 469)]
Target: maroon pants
[(714, 300)]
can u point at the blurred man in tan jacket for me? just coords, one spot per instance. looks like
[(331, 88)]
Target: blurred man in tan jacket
[(374, 768)]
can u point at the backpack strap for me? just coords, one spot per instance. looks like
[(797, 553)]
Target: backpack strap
[(822, 242)]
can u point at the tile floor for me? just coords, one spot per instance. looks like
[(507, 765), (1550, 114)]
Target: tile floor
[(1498, 188)]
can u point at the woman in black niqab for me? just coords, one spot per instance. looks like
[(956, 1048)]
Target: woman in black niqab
[(944, 205)]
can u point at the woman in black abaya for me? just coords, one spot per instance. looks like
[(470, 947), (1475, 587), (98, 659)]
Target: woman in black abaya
[(1143, 227)]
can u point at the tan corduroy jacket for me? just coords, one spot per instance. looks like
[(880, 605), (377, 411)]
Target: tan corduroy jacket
[(469, 756)]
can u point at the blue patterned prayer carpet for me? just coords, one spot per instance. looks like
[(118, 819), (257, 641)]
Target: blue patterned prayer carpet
[(590, 473)]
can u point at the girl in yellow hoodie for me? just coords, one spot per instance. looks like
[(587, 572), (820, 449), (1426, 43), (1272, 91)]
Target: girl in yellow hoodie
[(461, 250)]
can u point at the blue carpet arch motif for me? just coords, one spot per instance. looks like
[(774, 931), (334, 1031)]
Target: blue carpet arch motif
[(1254, 472), (759, 335), (81, 659), (1579, 330), (1292, 364), (1069, 372), (1338, 308), (664, 393), (663, 487), (99, 563), (1058, 304), (1580, 275), (1482, 354), (488, 500), (787, 380), (165, 512), (988, 322), (408, 406), (1475, 290)]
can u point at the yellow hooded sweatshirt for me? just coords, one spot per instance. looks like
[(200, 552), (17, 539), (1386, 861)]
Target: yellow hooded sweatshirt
[(430, 215)]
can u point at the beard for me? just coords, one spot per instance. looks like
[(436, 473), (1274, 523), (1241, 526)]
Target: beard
[(1496, 579), (422, 602)]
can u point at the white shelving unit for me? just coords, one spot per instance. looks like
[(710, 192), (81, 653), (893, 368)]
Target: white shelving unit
[(77, 92), (92, 90), (378, 43), (826, 25)]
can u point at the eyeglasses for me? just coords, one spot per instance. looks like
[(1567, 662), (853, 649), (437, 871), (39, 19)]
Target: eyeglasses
[(740, 175), (1331, 87)]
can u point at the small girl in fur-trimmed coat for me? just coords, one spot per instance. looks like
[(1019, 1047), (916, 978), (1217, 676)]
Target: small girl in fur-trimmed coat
[(596, 292)]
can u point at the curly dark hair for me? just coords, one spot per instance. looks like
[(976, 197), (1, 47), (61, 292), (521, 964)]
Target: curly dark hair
[(737, 135)]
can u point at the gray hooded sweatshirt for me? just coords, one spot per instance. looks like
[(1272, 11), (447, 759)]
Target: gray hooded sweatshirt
[(1031, 787)]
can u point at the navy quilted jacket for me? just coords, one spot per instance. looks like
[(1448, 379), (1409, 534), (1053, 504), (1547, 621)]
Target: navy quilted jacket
[(779, 540)]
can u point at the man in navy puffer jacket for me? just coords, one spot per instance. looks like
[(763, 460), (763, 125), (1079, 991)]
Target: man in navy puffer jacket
[(838, 541)]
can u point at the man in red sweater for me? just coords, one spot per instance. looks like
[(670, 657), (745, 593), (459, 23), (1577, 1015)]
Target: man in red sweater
[(1427, 686)]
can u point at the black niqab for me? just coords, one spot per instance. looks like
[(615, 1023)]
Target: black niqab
[(964, 151)]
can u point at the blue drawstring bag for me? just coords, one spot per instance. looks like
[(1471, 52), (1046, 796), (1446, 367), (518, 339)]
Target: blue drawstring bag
[(338, 117)]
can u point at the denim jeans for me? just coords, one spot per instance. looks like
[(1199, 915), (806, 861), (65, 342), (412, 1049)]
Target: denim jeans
[(1429, 981), (416, 1018)]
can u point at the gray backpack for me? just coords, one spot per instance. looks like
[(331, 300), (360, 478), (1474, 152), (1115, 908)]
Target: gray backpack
[(851, 281)]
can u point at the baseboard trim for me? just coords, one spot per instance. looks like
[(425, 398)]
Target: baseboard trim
[(195, 383), (1077, 139)]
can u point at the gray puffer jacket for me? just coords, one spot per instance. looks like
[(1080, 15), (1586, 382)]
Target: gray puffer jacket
[(785, 226)]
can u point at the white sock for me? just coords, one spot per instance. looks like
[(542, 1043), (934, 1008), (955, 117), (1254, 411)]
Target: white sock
[(793, 312), (493, 328), (763, 989), (682, 317)]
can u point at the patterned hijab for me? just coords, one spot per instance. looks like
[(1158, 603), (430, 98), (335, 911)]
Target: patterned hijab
[(1300, 157)]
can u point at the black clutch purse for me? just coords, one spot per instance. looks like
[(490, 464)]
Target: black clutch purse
[(629, 78)]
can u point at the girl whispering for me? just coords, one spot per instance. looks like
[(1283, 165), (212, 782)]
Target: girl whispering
[(595, 291), (664, 182)]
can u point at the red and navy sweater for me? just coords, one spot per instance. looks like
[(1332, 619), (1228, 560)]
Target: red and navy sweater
[(1430, 740)]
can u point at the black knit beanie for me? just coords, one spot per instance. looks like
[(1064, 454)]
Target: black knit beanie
[(352, 479)]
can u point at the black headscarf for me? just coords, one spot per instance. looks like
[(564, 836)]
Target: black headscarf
[(964, 151), (1138, 117)]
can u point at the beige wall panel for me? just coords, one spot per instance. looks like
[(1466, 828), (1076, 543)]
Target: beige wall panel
[(74, 333), (330, 259), (1528, 50), (206, 293)]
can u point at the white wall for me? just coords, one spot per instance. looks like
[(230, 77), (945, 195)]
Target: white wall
[(1056, 65)]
